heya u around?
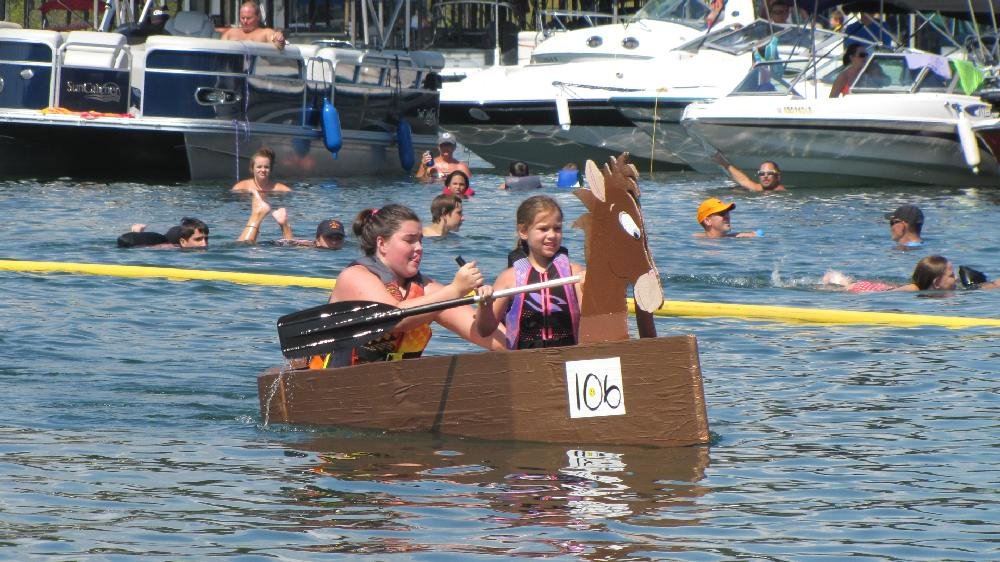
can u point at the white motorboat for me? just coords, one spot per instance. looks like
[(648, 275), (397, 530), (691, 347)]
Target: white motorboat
[(657, 111), (551, 111), (87, 104), (906, 119)]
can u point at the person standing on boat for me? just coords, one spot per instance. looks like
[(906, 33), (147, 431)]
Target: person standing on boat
[(391, 239), (854, 60), (768, 172), (432, 168), (713, 216), (446, 216), (868, 30), (251, 30), (261, 166), (905, 225), (550, 317)]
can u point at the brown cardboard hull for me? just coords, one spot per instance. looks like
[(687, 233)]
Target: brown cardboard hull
[(529, 395)]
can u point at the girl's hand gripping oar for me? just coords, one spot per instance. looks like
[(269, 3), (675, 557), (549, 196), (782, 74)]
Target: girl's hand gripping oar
[(342, 325)]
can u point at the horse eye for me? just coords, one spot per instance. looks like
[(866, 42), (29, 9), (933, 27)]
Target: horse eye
[(629, 226)]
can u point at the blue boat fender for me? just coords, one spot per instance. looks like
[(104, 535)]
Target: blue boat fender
[(333, 139), (404, 141)]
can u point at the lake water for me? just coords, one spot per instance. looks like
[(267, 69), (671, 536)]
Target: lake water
[(132, 428)]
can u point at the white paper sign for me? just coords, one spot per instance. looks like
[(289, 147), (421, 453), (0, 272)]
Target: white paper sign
[(594, 387)]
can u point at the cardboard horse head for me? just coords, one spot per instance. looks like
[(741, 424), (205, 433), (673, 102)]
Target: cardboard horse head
[(617, 252)]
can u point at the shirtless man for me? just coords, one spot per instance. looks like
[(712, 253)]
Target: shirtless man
[(437, 168), (250, 29), (769, 174)]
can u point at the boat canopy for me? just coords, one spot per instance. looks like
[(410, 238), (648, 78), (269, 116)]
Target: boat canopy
[(951, 8)]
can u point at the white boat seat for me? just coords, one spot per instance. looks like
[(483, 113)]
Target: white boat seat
[(191, 24), (95, 49), (9, 25)]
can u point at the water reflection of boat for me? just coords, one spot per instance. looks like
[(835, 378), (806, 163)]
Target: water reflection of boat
[(196, 107), (527, 483)]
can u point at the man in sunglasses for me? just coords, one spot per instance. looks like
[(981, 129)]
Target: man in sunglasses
[(905, 224), (768, 173)]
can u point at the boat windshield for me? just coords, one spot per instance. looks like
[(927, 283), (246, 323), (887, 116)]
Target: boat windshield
[(905, 73), (691, 13), (773, 77), (792, 40)]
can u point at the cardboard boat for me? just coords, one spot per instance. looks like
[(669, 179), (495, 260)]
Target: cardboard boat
[(634, 392), (607, 389)]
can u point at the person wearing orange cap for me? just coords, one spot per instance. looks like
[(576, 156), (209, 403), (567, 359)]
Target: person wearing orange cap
[(713, 216)]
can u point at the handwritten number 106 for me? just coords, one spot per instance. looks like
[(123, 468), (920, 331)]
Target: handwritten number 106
[(603, 393)]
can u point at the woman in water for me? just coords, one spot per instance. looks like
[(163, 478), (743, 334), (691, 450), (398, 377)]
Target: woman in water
[(933, 273), (261, 166)]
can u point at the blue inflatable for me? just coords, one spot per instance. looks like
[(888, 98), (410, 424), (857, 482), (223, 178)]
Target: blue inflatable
[(404, 141), (332, 137), (569, 178)]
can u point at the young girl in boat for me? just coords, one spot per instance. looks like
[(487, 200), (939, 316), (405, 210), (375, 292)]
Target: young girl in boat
[(549, 317), (261, 166), (389, 272)]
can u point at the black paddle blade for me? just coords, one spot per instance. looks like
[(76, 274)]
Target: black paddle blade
[(332, 327)]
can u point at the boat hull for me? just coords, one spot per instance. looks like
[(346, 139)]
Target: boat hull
[(851, 140), (526, 395)]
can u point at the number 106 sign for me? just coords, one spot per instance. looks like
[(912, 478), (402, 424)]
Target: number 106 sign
[(595, 388)]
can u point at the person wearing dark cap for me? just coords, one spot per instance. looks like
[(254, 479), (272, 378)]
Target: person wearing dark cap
[(905, 224), (437, 168), (713, 216), (330, 234)]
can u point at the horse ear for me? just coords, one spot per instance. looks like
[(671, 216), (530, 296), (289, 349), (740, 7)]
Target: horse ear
[(595, 179)]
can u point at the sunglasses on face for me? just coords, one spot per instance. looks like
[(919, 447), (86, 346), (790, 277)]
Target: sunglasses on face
[(765, 173), (894, 222), (861, 55)]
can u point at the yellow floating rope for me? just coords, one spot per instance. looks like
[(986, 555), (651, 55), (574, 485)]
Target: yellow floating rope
[(669, 308)]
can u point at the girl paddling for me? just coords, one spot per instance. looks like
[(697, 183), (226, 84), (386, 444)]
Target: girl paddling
[(549, 317)]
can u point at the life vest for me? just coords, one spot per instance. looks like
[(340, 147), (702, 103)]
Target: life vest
[(517, 183), (546, 318), (394, 345)]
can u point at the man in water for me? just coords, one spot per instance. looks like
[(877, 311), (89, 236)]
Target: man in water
[(768, 172), (905, 224), (190, 233), (251, 30), (713, 216), (445, 163)]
